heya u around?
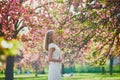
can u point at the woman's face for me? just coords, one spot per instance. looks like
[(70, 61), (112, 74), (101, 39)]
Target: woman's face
[(54, 35)]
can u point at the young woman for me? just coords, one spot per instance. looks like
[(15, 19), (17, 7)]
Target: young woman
[(53, 55)]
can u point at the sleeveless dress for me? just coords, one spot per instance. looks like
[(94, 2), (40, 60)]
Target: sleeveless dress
[(54, 67)]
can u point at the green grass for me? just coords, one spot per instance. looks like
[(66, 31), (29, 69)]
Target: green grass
[(79, 76)]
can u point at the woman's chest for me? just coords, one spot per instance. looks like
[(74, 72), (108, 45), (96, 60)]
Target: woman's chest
[(56, 52)]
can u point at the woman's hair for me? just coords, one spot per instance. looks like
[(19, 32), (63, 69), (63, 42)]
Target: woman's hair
[(48, 39)]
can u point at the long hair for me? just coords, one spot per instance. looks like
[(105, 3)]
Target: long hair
[(48, 39)]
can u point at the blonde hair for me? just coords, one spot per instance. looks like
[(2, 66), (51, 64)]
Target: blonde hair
[(48, 39)]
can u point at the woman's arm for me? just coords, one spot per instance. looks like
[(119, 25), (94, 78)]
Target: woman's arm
[(50, 56)]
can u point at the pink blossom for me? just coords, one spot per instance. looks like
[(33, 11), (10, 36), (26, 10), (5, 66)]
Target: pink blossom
[(11, 12)]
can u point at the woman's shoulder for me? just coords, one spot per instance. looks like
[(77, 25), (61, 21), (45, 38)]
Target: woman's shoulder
[(52, 45)]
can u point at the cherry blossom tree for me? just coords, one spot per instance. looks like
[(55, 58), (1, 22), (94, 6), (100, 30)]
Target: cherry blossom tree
[(79, 24), (11, 17)]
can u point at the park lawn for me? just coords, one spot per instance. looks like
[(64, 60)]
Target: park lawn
[(77, 76)]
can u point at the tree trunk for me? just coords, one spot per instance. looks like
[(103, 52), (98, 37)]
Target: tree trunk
[(36, 71), (71, 69), (43, 71), (63, 72), (9, 68), (111, 64), (103, 70), (19, 70)]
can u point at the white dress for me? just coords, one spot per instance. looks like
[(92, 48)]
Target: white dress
[(54, 67)]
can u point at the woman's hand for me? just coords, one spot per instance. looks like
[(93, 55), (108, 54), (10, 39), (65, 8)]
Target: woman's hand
[(60, 59)]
